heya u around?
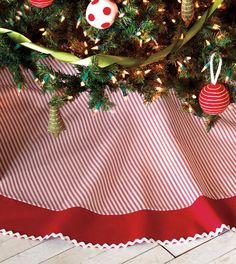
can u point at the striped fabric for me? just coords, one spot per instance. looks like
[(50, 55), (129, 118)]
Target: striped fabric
[(131, 158)]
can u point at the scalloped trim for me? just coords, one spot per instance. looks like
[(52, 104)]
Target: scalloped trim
[(121, 245)]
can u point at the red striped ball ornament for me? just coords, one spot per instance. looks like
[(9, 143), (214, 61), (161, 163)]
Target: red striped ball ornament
[(41, 3), (214, 99)]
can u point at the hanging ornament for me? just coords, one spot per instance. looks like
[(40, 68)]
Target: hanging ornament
[(55, 123), (101, 13), (41, 3), (214, 98), (187, 11)]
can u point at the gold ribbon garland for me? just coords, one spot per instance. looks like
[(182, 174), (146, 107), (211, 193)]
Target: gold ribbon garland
[(107, 60)]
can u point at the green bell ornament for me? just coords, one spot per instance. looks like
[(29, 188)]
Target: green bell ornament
[(55, 124), (187, 11)]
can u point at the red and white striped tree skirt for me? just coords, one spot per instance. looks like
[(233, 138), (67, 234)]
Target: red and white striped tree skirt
[(131, 174)]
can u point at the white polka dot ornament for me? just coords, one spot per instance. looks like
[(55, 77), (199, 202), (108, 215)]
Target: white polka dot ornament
[(101, 13)]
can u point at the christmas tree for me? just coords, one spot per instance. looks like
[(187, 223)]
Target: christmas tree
[(131, 45)]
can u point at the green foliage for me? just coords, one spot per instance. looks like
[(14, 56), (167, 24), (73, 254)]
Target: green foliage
[(145, 28)]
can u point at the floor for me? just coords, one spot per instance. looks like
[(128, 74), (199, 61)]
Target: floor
[(221, 249)]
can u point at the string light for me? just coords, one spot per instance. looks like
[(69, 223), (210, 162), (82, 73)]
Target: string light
[(227, 79), (159, 89), (190, 109), (208, 43), (159, 80), (95, 111), (156, 44), (19, 13), (216, 27), (205, 67), (96, 40), (62, 19), (124, 73), (52, 76), (121, 15), (125, 98), (180, 64), (26, 7), (113, 79), (220, 36), (147, 71), (161, 10), (78, 23)]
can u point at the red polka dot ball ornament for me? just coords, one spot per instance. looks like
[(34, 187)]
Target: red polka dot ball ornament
[(101, 13), (41, 3), (214, 98)]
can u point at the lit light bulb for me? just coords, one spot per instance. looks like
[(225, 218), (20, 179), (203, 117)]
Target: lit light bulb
[(113, 79), (147, 71), (216, 27), (62, 19), (78, 23), (121, 15)]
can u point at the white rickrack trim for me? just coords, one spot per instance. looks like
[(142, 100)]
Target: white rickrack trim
[(121, 245)]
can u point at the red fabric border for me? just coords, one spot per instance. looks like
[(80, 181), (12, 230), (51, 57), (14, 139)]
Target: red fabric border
[(205, 215)]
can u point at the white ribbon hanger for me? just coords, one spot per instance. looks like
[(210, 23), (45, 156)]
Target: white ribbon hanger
[(214, 78)]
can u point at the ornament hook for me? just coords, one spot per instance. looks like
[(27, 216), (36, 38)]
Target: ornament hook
[(214, 78)]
